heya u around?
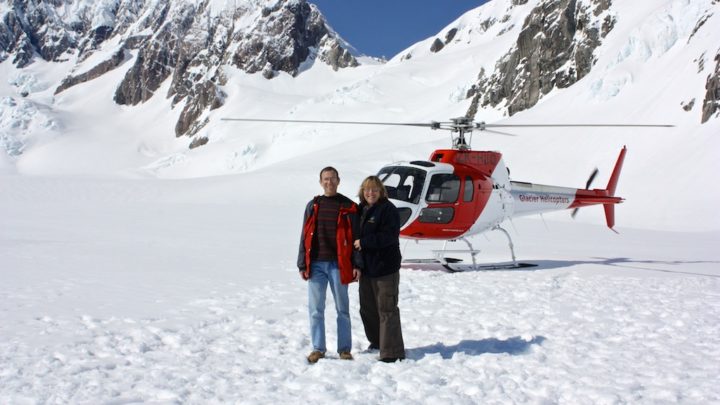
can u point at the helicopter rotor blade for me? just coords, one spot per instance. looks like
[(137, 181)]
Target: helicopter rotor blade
[(499, 132), (578, 125), (452, 126), (432, 124)]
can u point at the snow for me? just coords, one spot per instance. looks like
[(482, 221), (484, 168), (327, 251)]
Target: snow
[(185, 291), (135, 270), (6, 165)]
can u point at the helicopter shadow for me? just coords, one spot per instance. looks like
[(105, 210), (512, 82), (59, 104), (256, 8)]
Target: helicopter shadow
[(636, 264), (513, 346), (540, 265), (468, 268), (626, 263)]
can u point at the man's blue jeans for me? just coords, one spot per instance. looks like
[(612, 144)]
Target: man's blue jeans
[(321, 274)]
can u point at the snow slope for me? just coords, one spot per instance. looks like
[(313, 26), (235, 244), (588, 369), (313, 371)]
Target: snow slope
[(134, 270), (653, 62)]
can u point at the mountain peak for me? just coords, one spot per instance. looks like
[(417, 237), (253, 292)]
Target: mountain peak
[(186, 41)]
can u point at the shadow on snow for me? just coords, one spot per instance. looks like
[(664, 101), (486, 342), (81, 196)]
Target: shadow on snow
[(514, 346), (621, 262), (625, 262)]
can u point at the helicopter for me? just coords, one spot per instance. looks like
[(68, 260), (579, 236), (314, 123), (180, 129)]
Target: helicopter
[(459, 192)]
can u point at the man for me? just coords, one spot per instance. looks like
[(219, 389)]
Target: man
[(326, 257)]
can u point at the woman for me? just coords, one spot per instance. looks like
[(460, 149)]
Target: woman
[(379, 245)]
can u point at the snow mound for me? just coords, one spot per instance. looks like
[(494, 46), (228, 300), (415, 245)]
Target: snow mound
[(6, 164), (20, 121)]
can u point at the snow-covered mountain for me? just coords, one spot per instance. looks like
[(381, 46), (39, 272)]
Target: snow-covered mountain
[(186, 42), (135, 269), (133, 87)]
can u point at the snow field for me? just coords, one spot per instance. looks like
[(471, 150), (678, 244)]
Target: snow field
[(117, 286), (113, 293), (543, 337)]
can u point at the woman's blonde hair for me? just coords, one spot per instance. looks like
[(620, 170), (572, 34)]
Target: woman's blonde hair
[(374, 182)]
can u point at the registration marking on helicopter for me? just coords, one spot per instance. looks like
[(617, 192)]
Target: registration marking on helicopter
[(486, 158)]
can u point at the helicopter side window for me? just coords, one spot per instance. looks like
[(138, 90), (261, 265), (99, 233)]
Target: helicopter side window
[(444, 188), (403, 193), (391, 181), (403, 183), (468, 193)]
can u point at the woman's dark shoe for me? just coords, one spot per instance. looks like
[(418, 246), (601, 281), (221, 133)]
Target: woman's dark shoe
[(391, 359), (373, 346)]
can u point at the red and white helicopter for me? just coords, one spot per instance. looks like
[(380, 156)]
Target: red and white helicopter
[(457, 193)]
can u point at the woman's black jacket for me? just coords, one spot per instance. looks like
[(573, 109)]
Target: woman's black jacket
[(379, 239)]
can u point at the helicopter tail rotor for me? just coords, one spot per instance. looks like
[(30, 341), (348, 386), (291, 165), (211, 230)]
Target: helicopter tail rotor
[(606, 196), (591, 178), (587, 187)]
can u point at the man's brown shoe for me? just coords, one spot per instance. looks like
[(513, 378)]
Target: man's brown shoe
[(314, 356), (346, 356)]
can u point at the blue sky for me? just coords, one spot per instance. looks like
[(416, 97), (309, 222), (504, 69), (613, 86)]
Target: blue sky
[(386, 27)]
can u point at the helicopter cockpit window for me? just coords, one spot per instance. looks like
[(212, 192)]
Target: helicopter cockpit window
[(403, 183), (444, 188)]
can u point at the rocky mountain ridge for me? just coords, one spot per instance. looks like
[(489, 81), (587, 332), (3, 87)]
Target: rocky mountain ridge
[(187, 41), (554, 50)]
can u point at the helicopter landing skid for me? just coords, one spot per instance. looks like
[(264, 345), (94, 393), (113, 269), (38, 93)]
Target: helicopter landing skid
[(454, 264), (458, 267)]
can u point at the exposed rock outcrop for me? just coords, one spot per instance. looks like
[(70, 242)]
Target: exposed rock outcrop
[(554, 50), (437, 45), (711, 103), (284, 39), (187, 42), (116, 60)]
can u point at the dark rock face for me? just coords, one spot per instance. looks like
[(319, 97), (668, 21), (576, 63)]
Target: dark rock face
[(437, 45), (554, 50), (116, 60), (711, 103), (688, 106), (46, 33), (198, 141), (155, 62), (19, 37), (283, 40), (337, 56), (182, 41)]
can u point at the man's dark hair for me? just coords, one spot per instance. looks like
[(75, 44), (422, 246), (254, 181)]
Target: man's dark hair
[(329, 169)]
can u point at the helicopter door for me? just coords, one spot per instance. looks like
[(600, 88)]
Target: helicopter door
[(468, 191), (467, 207), (442, 198)]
